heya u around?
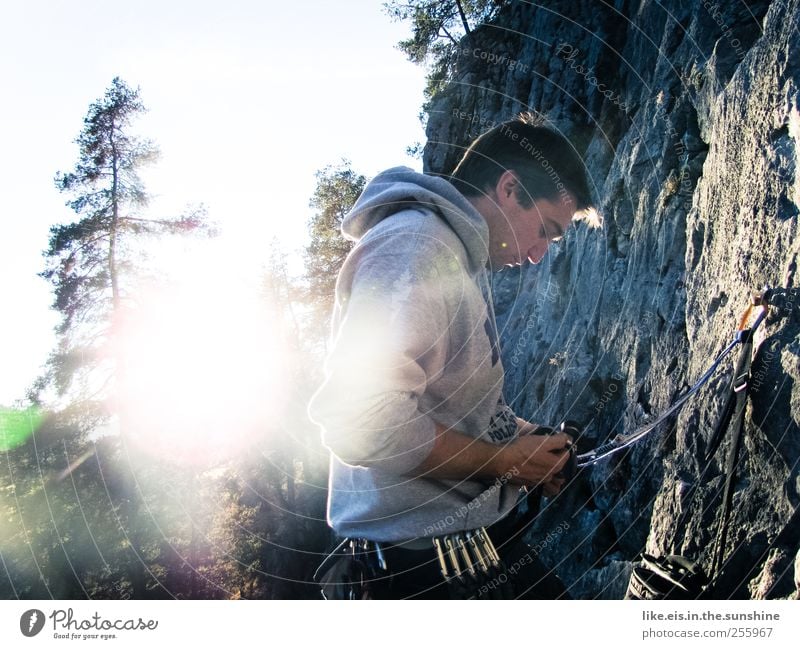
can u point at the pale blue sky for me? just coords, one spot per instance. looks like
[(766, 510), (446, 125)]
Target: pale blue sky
[(246, 98)]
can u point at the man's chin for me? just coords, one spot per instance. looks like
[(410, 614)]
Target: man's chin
[(496, 267)]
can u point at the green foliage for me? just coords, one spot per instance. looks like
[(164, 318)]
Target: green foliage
[(121, 525), (437, 28), (17, 425), (338, 188)]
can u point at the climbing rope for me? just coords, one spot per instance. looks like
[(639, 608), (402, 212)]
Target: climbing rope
[(743, 333)]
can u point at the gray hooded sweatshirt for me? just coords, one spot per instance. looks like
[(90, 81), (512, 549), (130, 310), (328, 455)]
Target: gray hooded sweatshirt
[(413, 342)]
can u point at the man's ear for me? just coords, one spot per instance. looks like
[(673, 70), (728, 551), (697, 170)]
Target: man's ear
[(507, 187)]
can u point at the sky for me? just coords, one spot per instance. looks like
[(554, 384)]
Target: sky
[(246, 100)]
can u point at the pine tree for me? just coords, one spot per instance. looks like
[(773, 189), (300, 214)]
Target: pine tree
[(90, 262), (437, 27), (338, 188)]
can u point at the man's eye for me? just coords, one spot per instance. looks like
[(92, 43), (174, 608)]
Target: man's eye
[(552, 237)]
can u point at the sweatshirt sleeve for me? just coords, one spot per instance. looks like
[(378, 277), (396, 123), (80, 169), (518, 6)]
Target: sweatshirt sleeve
[(390, 340)]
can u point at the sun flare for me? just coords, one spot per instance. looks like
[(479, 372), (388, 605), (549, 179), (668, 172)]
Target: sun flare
[(204, 368)]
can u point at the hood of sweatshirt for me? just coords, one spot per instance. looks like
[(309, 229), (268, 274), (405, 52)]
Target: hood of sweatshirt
[(402, 188)]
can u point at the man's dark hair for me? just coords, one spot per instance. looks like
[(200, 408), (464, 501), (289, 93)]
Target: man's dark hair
[(545, 162)]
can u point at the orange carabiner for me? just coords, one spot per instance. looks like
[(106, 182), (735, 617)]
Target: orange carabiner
[(757, 300)]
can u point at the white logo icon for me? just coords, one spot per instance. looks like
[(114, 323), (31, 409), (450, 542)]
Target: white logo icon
[(31, 622)]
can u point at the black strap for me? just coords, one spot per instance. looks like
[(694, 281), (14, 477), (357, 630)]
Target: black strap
[(732, 417)]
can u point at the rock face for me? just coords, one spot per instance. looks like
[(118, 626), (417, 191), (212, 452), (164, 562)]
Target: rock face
[(688, 118)]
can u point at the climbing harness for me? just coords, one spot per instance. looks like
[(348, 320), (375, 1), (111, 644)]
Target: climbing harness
[(743, 336), (469, 563)]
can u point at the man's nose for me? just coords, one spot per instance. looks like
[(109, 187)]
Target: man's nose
[(537, 252)]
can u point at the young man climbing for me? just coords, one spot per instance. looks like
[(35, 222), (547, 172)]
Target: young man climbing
[(428, 462)]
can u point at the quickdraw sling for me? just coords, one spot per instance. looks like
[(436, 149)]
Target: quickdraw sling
[(676, 577)]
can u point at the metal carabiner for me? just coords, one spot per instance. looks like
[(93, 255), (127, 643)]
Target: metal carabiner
[(468, 562), (440, 555), (482, 562), (451, 552)]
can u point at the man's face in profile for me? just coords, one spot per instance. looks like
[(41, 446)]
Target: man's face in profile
[(523, 234)]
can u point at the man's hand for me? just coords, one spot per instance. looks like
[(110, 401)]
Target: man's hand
[(532, 459), (536, 459), (526, 427)]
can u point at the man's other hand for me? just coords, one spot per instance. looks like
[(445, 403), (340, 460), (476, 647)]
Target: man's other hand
[(536, 459)]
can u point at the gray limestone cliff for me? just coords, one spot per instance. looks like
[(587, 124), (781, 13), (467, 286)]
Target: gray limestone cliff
[(687, 116)]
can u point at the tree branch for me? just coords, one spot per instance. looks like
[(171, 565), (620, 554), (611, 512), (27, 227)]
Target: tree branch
[(461, 13), (446, 33)]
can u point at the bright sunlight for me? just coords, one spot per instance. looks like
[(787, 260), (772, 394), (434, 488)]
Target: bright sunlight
[(204, 364)]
